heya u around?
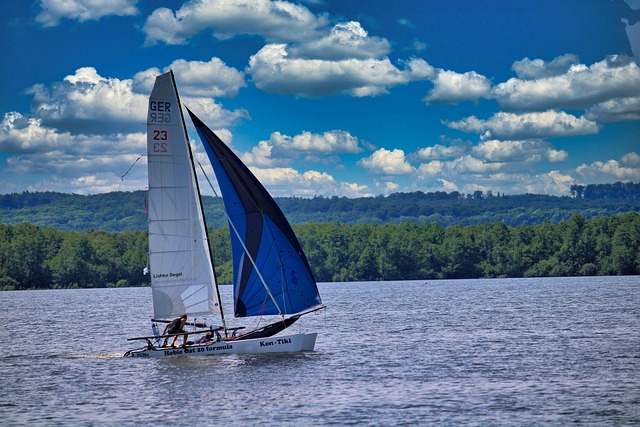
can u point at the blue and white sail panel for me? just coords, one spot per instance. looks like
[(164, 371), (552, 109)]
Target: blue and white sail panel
[(264, 238), (181, 270)]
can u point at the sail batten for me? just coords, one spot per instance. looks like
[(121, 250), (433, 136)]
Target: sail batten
[(267, 257)]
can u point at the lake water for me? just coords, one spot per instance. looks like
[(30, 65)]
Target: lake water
[(457, 352)]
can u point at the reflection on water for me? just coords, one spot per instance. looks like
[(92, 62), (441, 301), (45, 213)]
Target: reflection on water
[(525, 351)]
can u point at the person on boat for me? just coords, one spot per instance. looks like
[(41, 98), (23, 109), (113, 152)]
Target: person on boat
[(176, 326), (205, 339)]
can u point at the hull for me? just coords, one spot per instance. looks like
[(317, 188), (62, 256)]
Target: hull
[(284, 344)]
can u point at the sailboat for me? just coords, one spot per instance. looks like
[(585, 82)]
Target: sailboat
[(272, 276)]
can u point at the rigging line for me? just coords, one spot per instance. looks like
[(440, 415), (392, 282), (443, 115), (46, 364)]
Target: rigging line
[(244, 247), (131, 167)]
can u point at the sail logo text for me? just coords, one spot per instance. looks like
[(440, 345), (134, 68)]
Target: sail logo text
[(163, 275), (160, 106), (192, 350), (276, 342)]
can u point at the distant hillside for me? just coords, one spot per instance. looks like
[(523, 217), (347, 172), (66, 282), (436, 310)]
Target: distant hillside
[(124, 211)]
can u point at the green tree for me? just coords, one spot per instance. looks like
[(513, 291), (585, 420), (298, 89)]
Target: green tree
[(73, 265)]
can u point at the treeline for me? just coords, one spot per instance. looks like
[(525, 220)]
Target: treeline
[(124, 211), (614, 191), (36, 258)]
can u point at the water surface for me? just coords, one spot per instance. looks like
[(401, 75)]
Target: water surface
[(458, 352)]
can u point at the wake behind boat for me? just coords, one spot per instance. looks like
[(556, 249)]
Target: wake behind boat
[(271, 273)]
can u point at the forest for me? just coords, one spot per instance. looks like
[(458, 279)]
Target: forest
[(124, 211), (32, 257)]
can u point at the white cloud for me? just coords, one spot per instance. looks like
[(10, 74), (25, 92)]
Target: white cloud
[(76, 160), (533, 69), (86, 102), (631, 160), (83, 10), (261, 156), (431, 169), (385, 187), (553, 182), (497, 181), (335, 141), (19, 134), (511, 126), (304, 57), (472, 165), (280, 149), (452, 88), (273, 71), (628, 169), (196, 78), (556, 156), (580, 87), (440, 151), (345, 40), (615, 110), (286, 181), (385, 162), (87, 130), (418, 46), (276, 21), (518, 151)]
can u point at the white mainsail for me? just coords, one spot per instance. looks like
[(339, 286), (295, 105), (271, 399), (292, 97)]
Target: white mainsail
[(182, 276)]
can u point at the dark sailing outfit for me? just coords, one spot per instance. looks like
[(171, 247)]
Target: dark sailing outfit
[(174, 326)]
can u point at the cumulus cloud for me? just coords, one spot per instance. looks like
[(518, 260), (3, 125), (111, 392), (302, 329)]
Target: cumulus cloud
[(511, 126), (631, 160), (345, 40), (445, 177), (280, 148), (273, 71), (304, 55), (83, 10), (196, 78), (88, 129), (627, 169), (286, 181), (452, 88), (386, 162), (86, 102), (472, 165), (441, 151), (430, 169), (533, 69), (615, 110), (76, 158), (518, 151), (580, 87), (335, 141), (22, 135), (276, 21)]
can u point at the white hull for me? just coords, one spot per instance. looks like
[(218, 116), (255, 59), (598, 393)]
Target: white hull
[(279, 344)]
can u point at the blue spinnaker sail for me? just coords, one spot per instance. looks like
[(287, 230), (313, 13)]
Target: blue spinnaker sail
[(260, 237)]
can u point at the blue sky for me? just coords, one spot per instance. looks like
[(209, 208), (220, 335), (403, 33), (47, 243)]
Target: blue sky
[(322, 97)]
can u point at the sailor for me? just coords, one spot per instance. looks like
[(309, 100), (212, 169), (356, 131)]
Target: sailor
[(176, 326), (205, 339)]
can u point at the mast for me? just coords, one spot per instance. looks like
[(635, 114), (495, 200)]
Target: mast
[(206, 228)]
